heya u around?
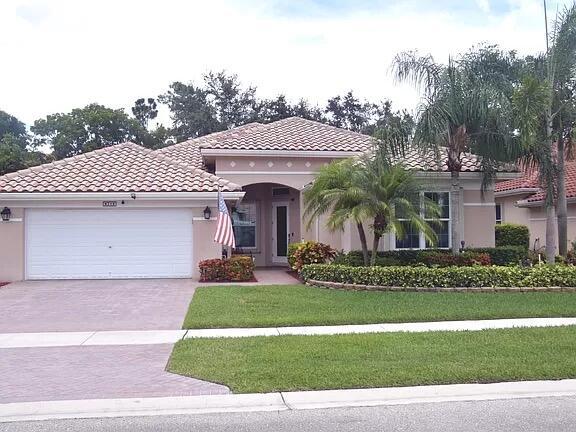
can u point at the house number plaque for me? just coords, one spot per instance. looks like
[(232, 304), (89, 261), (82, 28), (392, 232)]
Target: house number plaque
[(109, 203)]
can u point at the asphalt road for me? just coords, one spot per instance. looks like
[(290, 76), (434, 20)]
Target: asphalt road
[(526, 415)]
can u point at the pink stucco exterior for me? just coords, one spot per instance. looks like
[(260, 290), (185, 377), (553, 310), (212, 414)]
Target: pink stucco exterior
[(533, 217)]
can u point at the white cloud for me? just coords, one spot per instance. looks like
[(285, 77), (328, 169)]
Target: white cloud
[(62, 54)]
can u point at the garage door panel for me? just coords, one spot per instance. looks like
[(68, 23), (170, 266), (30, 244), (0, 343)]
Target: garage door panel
[(109, 243)]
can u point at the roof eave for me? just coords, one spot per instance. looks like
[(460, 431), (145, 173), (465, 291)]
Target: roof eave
[(97, 196), (280, 153), (517, 191)]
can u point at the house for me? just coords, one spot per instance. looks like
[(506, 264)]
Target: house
[(129, 212), (521, 201)]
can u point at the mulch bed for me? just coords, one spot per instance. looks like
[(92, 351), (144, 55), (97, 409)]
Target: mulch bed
[(3, 284)]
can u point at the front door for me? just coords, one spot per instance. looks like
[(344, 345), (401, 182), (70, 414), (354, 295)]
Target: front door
[(280, 232)]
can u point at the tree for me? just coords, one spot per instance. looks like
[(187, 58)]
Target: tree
[(349, 112), (220, 103), (15, 148), (545, 111), (462, 111), (11, 125), (145, 110), (368, 189), (86, 129)]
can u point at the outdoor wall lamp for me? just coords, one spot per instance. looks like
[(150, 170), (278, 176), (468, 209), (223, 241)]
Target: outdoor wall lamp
[(207, 213), (6, 213)]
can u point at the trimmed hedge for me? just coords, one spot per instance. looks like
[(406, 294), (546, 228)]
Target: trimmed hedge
[(504, 255), (512, 235), (238, 268), (509, 255), (477, 276)]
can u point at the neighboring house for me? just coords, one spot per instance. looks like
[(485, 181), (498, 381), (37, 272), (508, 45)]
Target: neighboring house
[(521, 201), (128, 212)]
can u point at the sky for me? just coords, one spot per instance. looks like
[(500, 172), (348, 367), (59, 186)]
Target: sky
[(63, 54)]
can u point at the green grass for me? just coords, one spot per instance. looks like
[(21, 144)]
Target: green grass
[(288, 305), (265, 364)]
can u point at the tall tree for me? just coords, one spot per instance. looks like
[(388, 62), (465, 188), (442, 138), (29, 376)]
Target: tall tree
[(145, 110), (349, 112), (15, 150), (85, 129), (545, 111), (220, 103), (461, 111), (561, 110)]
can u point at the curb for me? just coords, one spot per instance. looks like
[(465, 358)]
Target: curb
[(283, 401)]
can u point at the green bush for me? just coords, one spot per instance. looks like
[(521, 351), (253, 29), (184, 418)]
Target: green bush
[(477, 276), (512, 235), (504, 255), (309, 252)]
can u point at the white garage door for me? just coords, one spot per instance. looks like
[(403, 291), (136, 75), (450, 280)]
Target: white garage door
[(108, 243)]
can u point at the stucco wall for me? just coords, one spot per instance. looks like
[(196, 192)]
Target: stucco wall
[(12, 247)]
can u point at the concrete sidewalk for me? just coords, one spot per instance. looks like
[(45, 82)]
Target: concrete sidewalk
[(150, 337), (282, 401)]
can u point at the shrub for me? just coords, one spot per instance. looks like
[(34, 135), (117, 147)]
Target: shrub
[(512, 235), (478, 276), (236, 269), (291, 249), (310, 252), (212, 270), (240, 268), (504, 255), (467, 258)]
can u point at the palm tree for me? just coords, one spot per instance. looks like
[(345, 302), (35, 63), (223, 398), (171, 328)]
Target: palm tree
[(545, 114), (465, 108), (370, 189)]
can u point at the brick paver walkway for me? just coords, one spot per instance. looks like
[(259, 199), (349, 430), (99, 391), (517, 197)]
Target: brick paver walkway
[(49, 306), (67, 373)]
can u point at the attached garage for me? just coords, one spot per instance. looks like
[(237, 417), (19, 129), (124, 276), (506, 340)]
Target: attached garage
[(108, 243)]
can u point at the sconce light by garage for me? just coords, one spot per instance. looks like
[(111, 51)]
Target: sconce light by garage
[(207, 213), (6, 213)]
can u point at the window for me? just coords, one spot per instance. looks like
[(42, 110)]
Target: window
[(244, 223), (279, 191), (498, 214), (414, 239)]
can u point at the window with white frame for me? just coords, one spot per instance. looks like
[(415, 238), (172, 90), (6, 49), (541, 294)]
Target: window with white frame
[(414, 238), (244, 224)]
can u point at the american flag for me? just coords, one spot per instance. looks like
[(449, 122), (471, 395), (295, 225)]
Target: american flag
[(224, 232)]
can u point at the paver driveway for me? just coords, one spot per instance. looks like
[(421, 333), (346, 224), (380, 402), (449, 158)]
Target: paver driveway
[(86, 372), (95, 372), (88, 305)]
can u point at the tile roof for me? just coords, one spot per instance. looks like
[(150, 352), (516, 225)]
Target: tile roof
[(293, 133), (427, 161), (124, 167), (298, 134), (530, 180)]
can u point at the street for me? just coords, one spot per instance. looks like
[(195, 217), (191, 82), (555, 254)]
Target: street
[(526, 415)]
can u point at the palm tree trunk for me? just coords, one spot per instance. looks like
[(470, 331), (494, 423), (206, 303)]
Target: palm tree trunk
[(364, 243), (561, 204), (550, 234), (550, 210), (455, 211), (375, 244)]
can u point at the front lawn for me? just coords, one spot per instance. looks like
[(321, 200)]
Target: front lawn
[(285, 363), (293, 305)]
